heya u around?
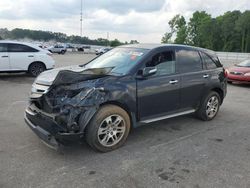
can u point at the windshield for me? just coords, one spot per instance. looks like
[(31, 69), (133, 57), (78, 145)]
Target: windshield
[(245, 63), (120, 60)]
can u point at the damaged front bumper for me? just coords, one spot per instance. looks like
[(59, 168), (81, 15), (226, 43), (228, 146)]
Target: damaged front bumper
[(60, 112), (47, 129)]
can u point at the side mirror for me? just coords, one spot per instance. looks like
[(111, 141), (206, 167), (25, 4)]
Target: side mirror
[(148, 71)]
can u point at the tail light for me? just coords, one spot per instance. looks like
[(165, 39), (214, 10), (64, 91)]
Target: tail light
[(226, 72)]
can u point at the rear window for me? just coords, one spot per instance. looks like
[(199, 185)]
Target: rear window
[(208, 61), (20, 48), (189, 61)]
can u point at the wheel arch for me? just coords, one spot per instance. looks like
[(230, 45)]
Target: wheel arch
[(220, 92), (132, 116), (36, 62)]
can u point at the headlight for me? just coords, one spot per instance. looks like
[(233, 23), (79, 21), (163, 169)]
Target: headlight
[(247, 74), (38, 90)]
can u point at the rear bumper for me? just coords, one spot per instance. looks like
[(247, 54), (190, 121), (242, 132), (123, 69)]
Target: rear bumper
[(48, 131)]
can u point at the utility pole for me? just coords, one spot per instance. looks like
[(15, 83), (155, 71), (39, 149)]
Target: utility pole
[(107, 38), (81, 19)]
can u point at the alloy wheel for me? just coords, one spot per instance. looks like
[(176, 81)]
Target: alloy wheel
[(111, 130), (212, 106)]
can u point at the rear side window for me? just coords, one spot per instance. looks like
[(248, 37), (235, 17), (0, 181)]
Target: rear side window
[(189, 61), (20, 48), (3, 47), (208, 61), (164, 62)]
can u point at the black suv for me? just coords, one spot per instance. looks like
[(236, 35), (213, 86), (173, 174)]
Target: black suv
[(126, 87)]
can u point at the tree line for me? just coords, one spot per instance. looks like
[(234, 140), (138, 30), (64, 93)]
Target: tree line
[(228, 32), (45, 36)]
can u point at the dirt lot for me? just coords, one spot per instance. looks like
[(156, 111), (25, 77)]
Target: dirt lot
[(179, 152)]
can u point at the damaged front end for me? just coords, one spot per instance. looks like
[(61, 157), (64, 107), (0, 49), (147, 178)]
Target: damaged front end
[(60, 112)]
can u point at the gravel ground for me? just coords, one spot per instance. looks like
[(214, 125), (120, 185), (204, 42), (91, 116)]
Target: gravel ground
[(178, 152)]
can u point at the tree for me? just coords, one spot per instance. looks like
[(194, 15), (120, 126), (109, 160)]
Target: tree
[(133, 42), (243, 28), (178, 26), (229, 37), (115, 43), (227, 32), (166, 38), (55, 36), (4, 33), (199, 28)]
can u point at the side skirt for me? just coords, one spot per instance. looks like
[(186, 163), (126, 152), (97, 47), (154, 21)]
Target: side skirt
[(168, 116)]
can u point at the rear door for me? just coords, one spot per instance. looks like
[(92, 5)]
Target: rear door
[(215, 72), (158, 94), (4, 57), (193, 77), (21, 56)]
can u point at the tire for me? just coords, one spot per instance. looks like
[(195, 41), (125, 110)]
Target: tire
[(208, 112), (63, 52), (102, 132), (36, 68)]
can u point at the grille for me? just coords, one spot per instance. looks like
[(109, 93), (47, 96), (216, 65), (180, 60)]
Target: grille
[(236, 73)]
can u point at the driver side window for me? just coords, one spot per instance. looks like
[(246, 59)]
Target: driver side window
[(164, 62)]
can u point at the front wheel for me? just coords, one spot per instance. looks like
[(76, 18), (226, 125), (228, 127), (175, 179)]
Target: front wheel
[(108, 129), (209, 106)]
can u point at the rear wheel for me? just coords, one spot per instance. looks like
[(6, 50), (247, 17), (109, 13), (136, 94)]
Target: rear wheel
[(209, 106), (108, 129), (36, 68)]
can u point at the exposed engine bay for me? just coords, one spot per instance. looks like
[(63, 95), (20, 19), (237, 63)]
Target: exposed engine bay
[(71, 101)]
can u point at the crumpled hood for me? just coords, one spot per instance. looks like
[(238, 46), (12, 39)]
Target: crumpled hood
[(70, 74)]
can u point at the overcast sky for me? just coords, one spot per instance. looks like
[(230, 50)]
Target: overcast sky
[(143, 20)]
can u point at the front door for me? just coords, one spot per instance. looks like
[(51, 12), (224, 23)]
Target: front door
[(158, 94)]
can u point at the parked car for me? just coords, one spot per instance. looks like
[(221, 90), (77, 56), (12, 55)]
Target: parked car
[(84, 48), (60, 49), (69, 46), (102, 51), (239, 72), (126, 87), (24, 57)]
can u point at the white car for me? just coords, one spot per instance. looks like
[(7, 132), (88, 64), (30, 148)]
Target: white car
[(102, 50), (60, 49), (24, 57)]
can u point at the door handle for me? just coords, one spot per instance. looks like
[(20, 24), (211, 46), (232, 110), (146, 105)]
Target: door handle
[(5, 56), (30, 56), (173, 81), (205, 76)]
